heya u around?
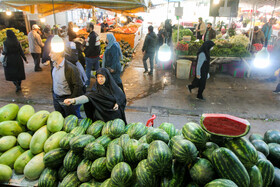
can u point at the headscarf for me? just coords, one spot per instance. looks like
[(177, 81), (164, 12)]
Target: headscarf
[(206, 46), (11, 35), (11, 40)]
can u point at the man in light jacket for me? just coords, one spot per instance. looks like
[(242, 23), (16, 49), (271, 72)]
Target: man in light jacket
[(200, 29), (35, 46)]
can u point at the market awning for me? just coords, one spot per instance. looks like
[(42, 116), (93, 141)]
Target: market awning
[(45, 7)]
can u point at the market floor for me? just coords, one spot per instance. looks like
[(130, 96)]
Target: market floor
[(164, 95)]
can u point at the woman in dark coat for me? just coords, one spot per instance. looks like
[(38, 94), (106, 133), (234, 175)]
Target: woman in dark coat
[(168, 29), (14, 71), (202, 68), (105, 102)]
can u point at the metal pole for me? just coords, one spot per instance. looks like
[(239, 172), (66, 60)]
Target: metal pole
[(54, 13), (167, 8), (274, 8), (251, 31)]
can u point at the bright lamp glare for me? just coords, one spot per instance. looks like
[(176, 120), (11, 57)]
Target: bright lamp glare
[(123, 19), (262, 59), (216, 2), (43, 20), (164, 53), (75, 29), (9, 13), (57, 44)]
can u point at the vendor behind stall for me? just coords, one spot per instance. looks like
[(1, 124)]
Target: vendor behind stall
[(104, 26)]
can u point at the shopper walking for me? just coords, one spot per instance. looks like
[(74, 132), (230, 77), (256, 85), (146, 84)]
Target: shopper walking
[(202, 68), (200, 29), (105, 102), (168, 29), (111, 59), (35, 46), (149, 49), (14, 69), (67, 83), (46, 59), (267, 30), (92, 51), (210, 33), (160, 39)]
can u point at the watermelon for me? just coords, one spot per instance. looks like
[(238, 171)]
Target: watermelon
[(221, 183), (117, 128), (255, 136), (71, 161), (128, 126), (124, 139), (157, 134), (54, 158), (22, 160), (107, 183), (48, 178), (55, 121), (85, 123), (174, 139), (70, 122), (267, 171), (8, 112), (192, 184), (255, 177), (70, 180), (62, 173), (12, 128), (202, 172), (144, 174), (7, 142), (114, 142), (106, 128), (78, 143), (169, 128), (78, 131), (137, 130), (95, 128), (179, 132), (99, 169), (224, 125), (194, 133), (276, 181), (104, 140), (93, 151), (219, 140), (53, 141), (143, 139), (129, 150), (83, 170), (184, 151), (141, 152), (261, 146), (65, 141), (210, 147), (261, 155), (24, 139), (159, 157), (121, 174), (38, 140), (274, 153), (244, 150), (9, 157), (37, 120), (24, 113), (5, 173), (114, 156), (228, 166), (272, 136), (34, 167)]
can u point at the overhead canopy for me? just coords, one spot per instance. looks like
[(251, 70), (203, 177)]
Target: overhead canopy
[(45, 7)]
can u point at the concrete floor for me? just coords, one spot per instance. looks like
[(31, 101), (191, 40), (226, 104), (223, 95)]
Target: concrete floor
[(164, 95)]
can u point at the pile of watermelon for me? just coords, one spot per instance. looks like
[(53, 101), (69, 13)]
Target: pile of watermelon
[(68, 152)]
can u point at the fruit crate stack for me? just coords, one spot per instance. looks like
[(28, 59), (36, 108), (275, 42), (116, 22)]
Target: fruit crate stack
[(45, 147)]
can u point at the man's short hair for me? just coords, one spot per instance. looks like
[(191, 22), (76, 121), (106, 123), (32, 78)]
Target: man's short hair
[(47, 30), (151, 28), (91, 25), (200, 18), (209, 24)]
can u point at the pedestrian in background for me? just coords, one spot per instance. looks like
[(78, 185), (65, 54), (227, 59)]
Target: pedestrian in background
[(35, 46), (111, 59), (210, 33), (202, 68), (105, 102), (149, 49), (267, 30), (200, 29), (160, 39), (46, 59), (70, 32), (14, 69), (92, 51), (168, 29)]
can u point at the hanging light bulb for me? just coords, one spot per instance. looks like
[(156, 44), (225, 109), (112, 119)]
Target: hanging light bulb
[(43, 20), (75, 29), (262, 59), (216, 2), (57, 44), (8, 12), (164, 53)]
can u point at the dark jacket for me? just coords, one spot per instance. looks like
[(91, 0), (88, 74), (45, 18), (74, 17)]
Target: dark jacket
[(212, 34), (150, 43), (14, 71), (160, 40), (258, 37), (72, 76), (103, 26), (47, 49), (92, 50)]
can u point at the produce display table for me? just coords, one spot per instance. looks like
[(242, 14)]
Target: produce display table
[(221, 60), (20, 180), (132, 39)]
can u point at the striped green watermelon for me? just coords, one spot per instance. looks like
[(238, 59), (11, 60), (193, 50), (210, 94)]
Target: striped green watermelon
[(202, 172), (137, 130), (157, 134), (70, 180), (65, 141), (62, 173), (228, 166), (276, 181), (244, 150), (96, 128), (117, 128), (274, 154), (71, 161), (121, 174), (179, 132), (91, 183), (48, 178), (141, 152), (159, 157), (272, 136), (255, 137), (144, 174), (129, 150), (54, 158), (261, 155), (184, 151), (123, 140), (104, 140), (255, 177), (143, 139), (85, 123), (78, 131), (209, 148), (83, 170), (108, 183), (192, 184), (106, 128), (128, 126), (78, 143), (169, 128), (94, 150), (174, 139), (261, 146), (267, 171), (194, 133), (114, 156), (99, 169), (221, 183), (70, 122), (115, 142)]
